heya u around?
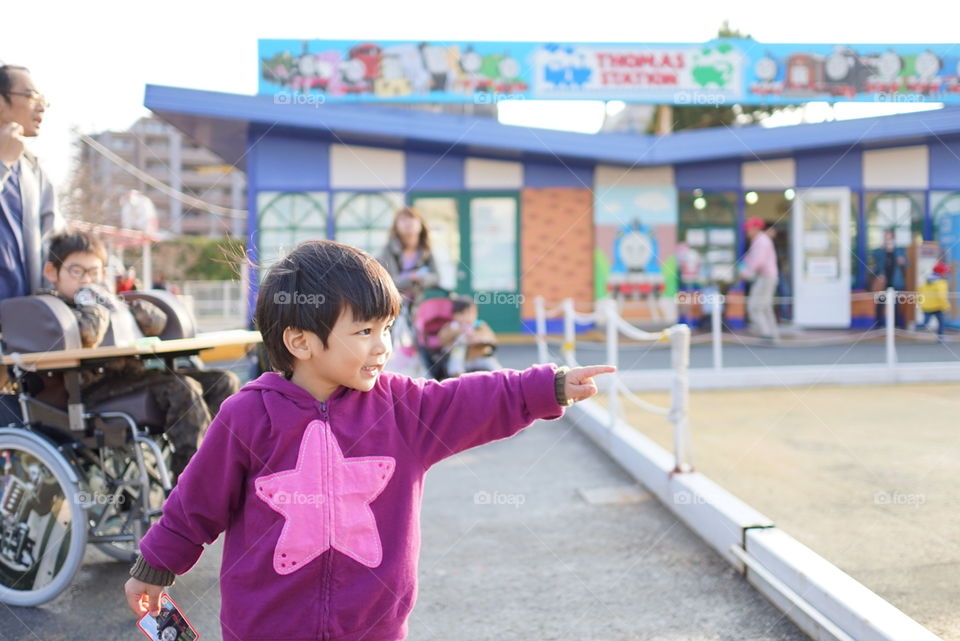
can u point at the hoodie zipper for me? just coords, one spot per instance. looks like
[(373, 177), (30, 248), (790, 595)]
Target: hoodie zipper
[(325, 632)]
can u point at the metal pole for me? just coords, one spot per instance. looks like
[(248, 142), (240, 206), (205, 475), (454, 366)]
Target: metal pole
[(613, 352), (715, 331), (147, 265), (890, 302), (542, 354), (680, 357), (569, 329)]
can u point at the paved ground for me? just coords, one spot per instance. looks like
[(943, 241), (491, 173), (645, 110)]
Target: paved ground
[(557, 566), (865, 476), (511, 551)]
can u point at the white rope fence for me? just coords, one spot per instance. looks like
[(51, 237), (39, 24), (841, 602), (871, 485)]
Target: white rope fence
[(608, 315)]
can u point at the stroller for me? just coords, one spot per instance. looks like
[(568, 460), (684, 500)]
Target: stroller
[(430, 317)]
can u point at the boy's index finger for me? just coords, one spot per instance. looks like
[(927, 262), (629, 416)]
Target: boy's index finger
[(592, 370)]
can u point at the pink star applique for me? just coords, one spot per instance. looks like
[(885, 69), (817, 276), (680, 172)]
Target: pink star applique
[(326, 500)]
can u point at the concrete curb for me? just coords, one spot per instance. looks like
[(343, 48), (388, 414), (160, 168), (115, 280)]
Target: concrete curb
[(824, 602)]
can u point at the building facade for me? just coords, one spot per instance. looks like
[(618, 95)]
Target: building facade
[(518, 212)]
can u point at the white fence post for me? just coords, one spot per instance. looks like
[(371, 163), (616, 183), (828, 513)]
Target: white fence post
[(226, 298), (569, 330), (716, 330), (680, 358), (543, 355), (612, 317), (891, 317)]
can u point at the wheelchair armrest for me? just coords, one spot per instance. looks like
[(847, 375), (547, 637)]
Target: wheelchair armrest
[(180, 323)]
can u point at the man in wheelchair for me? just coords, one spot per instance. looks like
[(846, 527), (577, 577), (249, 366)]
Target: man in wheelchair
[(85, 458), (188, 398)]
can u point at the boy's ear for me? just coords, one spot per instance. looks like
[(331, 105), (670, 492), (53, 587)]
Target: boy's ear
[(295, 340), (50, 272)]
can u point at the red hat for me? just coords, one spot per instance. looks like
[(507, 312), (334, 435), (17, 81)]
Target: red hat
[(941, 268), (754, 223)]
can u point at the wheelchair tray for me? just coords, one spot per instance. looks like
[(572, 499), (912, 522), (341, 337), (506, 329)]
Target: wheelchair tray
[(70, 358)]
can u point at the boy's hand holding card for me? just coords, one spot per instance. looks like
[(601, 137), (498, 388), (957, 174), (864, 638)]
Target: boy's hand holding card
[(169, 624)]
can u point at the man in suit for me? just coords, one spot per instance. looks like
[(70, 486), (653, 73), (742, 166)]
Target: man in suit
[(29, 209)]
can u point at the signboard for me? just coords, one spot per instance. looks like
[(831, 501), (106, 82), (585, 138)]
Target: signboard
[(723, 71)]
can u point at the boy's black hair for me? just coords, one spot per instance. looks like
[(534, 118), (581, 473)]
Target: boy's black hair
[(311, 286), (74, 242), (461, 302)]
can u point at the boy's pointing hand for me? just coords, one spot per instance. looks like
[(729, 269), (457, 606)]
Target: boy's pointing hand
[(579, 383)]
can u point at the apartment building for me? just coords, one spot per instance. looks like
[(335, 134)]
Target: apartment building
[(164, 153)]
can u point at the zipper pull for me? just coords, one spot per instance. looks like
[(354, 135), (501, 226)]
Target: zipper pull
[(323, 410)]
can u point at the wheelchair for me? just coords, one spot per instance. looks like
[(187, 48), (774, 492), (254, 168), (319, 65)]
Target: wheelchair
[(94, 474)]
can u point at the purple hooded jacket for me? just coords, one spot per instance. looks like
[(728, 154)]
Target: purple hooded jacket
[(320, 502)]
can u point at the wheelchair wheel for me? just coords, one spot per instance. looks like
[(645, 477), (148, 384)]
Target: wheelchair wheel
[(43, 529), (118, 512)]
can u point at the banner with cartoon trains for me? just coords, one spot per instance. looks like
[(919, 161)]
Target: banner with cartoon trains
[(718, 72)]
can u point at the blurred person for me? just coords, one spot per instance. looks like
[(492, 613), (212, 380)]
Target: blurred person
[(128, 282), (188, 398), (408, 259), (469, 341), (934, 297), (407, 256), (28, 205), (888, 267), (760, 267)]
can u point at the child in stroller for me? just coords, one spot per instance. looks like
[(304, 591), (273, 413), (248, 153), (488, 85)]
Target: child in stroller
[(452, 339)]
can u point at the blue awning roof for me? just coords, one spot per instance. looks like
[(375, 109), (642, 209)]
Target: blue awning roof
[(220, 121)]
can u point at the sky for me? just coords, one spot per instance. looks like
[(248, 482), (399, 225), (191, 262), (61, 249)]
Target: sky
[(92, 60)]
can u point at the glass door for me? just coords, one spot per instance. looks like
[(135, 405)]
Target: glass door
[(476, 244), (821, 257)]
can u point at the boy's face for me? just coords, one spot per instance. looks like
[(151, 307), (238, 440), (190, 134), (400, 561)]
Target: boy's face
[(355, 356), (79, 269)]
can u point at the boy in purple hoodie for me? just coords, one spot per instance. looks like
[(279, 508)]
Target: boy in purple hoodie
[(315, 471)]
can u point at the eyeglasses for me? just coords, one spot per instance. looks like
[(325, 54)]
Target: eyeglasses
[(33, 95), (78, 272)]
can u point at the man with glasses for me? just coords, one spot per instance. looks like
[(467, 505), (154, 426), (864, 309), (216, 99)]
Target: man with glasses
[(28, 208)]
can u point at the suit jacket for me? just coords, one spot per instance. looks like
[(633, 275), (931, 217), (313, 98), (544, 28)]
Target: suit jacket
[(41, 216)]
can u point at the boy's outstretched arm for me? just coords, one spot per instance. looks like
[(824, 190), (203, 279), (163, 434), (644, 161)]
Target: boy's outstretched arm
[(578, 382), (440, 419)]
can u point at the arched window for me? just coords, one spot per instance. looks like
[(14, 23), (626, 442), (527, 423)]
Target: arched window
[(286, 219)]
